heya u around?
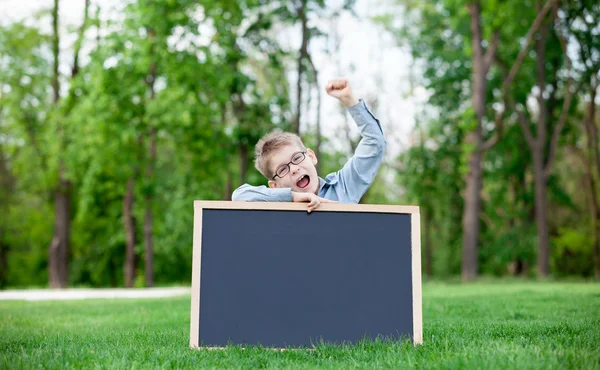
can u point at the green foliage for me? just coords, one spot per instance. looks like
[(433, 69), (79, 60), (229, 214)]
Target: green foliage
[(26, 218), (144, 74), (572, 253), (508, 231), (430, 176), (208, 79), (25, 145), (503, 247), (439, 38)]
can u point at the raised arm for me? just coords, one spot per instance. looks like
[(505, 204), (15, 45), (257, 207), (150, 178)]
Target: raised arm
[(359, 172)]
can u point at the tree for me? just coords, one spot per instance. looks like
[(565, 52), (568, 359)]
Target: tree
[(58, 250), (438, 43), (247, 36), (25, 74), (481, 62), (581, 19), (543, 144)]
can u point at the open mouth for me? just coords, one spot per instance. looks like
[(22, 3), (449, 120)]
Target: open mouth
[(303, 181)]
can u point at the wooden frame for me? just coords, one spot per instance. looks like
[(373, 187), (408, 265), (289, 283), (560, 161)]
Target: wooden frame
[(199, 206)]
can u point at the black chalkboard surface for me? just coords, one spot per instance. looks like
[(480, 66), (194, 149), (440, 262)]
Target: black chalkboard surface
[(271, 274)]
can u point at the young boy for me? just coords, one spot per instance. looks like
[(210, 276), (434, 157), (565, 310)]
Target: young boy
[(290, 167)]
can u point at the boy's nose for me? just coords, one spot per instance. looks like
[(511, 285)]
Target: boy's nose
[(294, 168)]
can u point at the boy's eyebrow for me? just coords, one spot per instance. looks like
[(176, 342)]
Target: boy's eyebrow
[(284, 163), (292, 156)]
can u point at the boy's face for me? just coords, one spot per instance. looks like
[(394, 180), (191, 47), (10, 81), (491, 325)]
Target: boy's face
[(301, 177)]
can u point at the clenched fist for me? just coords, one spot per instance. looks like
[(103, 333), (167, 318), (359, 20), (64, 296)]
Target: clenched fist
[(340, 88)]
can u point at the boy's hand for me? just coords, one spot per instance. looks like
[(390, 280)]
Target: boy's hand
[(340, 88), (313, 201)]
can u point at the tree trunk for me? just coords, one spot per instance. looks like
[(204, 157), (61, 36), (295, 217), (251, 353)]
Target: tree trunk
[(597, 245), (475, 140), (537, 144), (541, 216), (592, 146), (474, 181), (58, 250), (129, 223), (148, 245), (594, 141), (538, 155), (7, 184), (58, 261), (3, 263), (595, 213), (596, 231), (4, 249), (148, 238), (148, 198), (471, 211)]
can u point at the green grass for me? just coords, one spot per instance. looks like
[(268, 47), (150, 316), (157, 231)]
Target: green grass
[(500, 325)]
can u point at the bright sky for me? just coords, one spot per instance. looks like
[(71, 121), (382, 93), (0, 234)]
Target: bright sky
[(376, 66)]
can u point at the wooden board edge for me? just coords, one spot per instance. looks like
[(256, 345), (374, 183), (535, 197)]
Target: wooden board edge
[(197, 252), (196, 268), (278, 349), (416, 279), (290, 206)]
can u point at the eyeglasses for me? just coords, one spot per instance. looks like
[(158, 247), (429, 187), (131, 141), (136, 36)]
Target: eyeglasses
[(284, 169)]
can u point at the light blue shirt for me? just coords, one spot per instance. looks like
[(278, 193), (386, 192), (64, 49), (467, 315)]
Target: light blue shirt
[(347, 185)]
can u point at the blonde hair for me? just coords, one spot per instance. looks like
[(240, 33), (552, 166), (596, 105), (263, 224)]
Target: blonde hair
[(270, 144)]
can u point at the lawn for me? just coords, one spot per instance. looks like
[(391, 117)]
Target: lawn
[(492, 325)]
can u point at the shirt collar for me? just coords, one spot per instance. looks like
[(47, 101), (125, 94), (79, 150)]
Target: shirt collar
[(330, 179)]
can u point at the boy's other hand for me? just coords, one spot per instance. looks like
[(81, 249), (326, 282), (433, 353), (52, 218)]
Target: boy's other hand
[(340, 88), (313, 201)]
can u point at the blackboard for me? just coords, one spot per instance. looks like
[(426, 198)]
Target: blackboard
[(272, 274)]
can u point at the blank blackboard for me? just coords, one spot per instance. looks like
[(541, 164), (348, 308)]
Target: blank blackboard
[(271, 274)]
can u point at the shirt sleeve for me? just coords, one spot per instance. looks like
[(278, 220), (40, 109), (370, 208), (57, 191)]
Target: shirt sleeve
[(359, 172), (249, 193)]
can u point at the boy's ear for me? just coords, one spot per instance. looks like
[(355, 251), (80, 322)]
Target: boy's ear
[(273, 184), (312, 155)]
